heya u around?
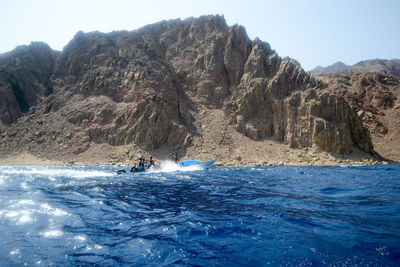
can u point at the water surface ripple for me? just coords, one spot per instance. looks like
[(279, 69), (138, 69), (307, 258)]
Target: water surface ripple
[(225, 216)]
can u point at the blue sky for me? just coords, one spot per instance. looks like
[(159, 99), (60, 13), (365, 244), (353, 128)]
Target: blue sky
[(314, 32)]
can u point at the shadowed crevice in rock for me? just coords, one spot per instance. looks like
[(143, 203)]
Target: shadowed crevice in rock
[(18, 94)]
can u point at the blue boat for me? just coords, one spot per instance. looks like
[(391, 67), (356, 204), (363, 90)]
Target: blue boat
[(198, 165)]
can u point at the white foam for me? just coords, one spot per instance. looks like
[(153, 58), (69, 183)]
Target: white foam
[(96, 246), (170, 166), (24, 186), (52, 233), (22, 202), (25, 219), (46, 208), (80, 238), (54, 172), (15, 252), (85, 174), (26, 202), (12, 214), (19, 216), (2, 178)]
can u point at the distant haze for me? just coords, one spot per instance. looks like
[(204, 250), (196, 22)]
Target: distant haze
[(313, 32)]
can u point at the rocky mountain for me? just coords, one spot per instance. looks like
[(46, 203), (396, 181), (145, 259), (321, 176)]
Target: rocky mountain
[(193, 87), (335, 67), (382, 66)]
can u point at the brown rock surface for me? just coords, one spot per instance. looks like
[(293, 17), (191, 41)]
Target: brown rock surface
[(24, 79), (376, 98), (196, 87), (382, 66)]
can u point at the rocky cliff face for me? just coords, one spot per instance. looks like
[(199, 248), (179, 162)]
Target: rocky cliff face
[(285, 102), (376, 98), (24, 79), (147, 87)]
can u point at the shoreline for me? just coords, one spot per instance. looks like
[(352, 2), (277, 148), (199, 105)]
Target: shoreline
[(27, 159)]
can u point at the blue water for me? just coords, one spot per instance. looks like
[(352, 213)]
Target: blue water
[(341, 216)]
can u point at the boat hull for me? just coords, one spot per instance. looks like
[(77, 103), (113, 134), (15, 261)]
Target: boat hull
[(196, 165)]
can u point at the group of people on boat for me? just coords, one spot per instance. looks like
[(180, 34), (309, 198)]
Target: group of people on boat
[(143, 165)]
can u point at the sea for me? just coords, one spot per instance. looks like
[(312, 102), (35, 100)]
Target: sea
[(250, 216)]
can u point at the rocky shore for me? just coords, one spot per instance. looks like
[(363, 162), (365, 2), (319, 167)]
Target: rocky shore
[(240, 151), (197, 88)]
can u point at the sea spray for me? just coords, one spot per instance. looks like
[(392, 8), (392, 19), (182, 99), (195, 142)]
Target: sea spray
[(171, 166), (53, 171)]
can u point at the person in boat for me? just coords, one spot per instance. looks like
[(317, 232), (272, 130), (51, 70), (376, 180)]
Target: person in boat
[(141, 164), (133, 169), (152, 162)]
